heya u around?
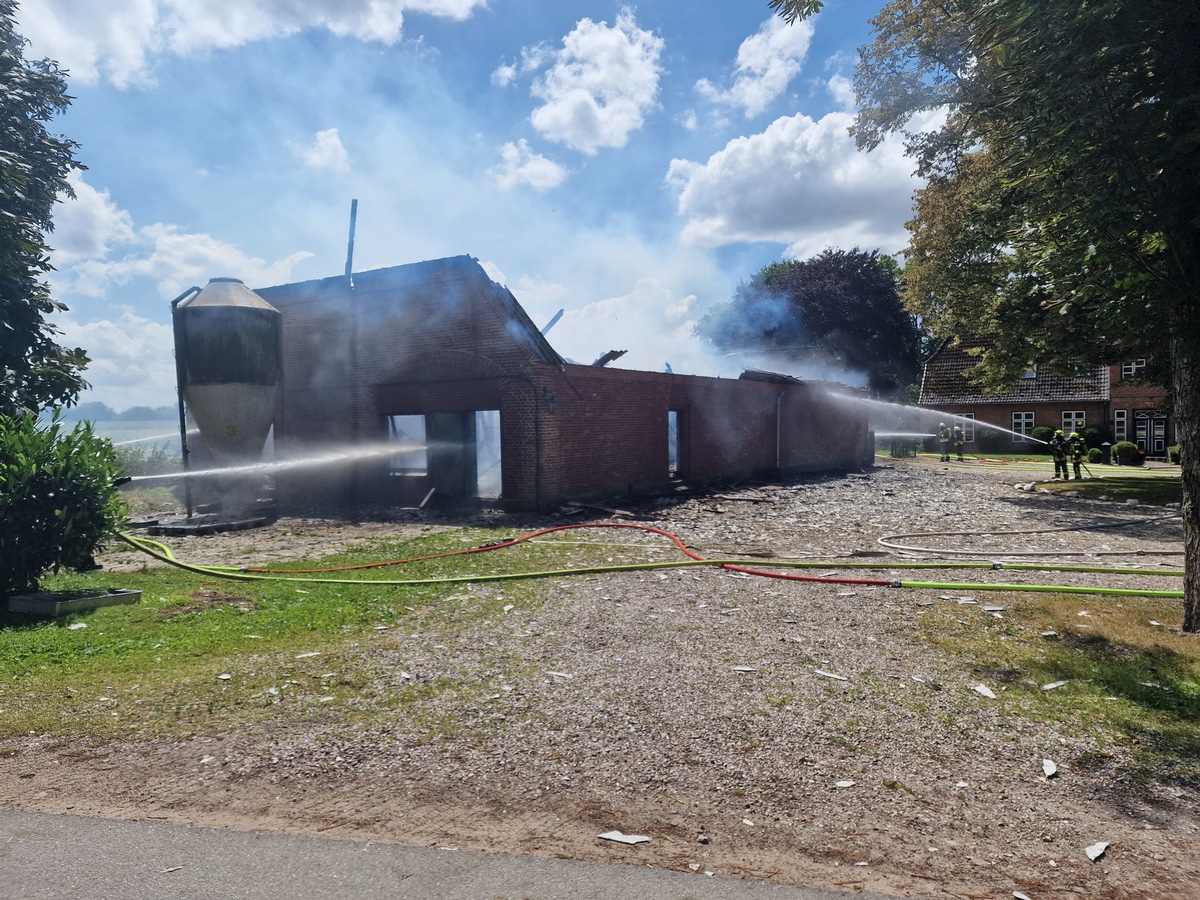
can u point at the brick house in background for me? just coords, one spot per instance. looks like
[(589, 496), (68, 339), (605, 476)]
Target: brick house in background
[(1116, 398), (441, 369)]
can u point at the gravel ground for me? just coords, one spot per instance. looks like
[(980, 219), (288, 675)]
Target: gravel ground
[(798, 732)]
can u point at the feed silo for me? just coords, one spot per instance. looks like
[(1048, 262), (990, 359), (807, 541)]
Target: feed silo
[(229, 363)]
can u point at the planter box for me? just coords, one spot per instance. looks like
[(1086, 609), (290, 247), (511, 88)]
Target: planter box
[(60, 603)]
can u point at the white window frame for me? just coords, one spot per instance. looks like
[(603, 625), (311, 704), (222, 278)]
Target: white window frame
[(1073, 420), (1120, 425), (1022, 425), (409, 431), (968, 427), (1133, 369)]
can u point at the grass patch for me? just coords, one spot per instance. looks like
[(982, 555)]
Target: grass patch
[(204, 655), (1130, 684)]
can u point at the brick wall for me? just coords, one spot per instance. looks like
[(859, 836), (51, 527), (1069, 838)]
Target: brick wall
[(1050, 414), (441, 337)]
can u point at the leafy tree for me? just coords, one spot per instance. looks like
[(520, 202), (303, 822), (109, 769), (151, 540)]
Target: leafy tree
[(1060, 222), (842, 307), (35, 372)]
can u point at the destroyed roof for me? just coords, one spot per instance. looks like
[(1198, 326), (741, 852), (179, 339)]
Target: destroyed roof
[(943, 382), (431, 272), (773, 377)]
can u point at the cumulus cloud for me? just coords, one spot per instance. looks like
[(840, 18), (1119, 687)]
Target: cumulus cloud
[(89, 225), (131, 358), (801, 183), (532, 59), (651, 321), (117, 40), (175, 260), (766, 63), (325, 152), (841, 89), (601, 85), (522, 166)]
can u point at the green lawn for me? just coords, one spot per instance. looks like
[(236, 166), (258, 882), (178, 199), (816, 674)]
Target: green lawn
[(207, 655)]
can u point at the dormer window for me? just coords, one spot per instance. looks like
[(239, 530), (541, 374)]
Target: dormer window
[(1030, 372), (1133, 369)]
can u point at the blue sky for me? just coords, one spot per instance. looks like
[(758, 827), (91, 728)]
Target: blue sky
[(629, 164)]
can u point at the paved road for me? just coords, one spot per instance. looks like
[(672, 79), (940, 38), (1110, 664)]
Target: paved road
[(55, 857)]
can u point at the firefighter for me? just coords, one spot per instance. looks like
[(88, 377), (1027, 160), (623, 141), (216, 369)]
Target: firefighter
[(944, 436), (1058, 449), (959, 440), (1078, 449)]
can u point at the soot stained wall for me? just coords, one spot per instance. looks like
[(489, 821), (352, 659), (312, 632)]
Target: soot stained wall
[(440, 337)]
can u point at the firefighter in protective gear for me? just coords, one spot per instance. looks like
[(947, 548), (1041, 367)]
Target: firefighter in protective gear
[(944, 436), (959, 440), (1058, 449), (1078, 449)]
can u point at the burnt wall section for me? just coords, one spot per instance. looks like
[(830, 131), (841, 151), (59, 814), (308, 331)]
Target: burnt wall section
[(439, 339), (609, 431)]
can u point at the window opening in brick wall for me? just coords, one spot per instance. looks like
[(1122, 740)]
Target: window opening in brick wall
[(1120, 425), (1022, 425), (968, 426), (1133, 368), (1073, 420), (412, 451)]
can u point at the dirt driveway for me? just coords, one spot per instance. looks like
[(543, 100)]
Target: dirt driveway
[(797, 732)]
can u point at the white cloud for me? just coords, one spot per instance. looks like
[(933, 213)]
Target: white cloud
[(802, 183), (532, 59), (504, 75), (174, 261), (603, 82), (325, 152), (766, 64), (520, 165), (651, 322), (131, 359), (118, 39), (841, 89), (89, 225)]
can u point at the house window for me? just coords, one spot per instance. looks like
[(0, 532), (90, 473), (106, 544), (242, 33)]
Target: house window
[(1022, 425), (1073, 420), (1030, 372), (1133, 369), (968, 427), (411, 455), (1120, 424)]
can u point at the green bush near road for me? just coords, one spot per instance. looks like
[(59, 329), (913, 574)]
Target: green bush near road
[(58, 499)]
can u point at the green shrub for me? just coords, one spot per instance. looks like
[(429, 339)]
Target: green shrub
[(157, 459), (58, 499), (1095, 455), (1124, 451), (989, 440), (1042, 433)]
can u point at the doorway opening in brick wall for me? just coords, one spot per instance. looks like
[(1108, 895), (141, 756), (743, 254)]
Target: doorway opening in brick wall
[(454, 456), (677, 443)]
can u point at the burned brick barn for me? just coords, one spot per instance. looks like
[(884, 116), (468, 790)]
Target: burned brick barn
[(458, 397)]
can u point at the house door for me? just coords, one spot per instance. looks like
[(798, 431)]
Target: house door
[(1150, 431)]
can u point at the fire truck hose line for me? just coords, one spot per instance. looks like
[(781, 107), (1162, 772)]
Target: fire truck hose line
[(163, 553)]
